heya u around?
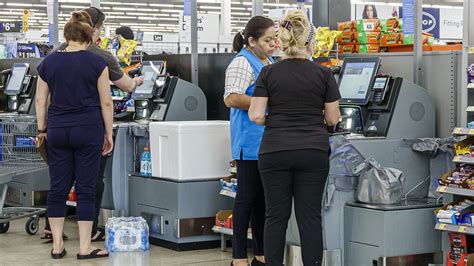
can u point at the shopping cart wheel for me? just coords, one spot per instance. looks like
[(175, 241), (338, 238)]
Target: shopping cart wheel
[(32, 225), (4, 227)]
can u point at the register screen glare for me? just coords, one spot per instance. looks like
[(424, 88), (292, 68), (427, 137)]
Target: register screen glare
[(16, 78), (356, 80)]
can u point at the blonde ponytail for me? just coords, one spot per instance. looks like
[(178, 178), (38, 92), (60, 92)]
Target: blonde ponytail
[(296, 34)]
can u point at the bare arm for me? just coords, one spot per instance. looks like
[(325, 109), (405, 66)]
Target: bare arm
[(128, 84), (332, 113), (106, 103), (239, 101), (258, 109), (42, 102)]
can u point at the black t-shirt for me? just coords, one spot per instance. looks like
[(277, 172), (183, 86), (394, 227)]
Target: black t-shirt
[(297, 90)]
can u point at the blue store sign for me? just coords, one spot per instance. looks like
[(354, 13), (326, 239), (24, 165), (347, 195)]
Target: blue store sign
[(431, 21)]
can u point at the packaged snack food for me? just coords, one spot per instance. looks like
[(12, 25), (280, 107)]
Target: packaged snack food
[(392, 25), (368, 25), (324, 41), (347, 37), (369, 48), (347, 49), (369, 37), (347, 26)]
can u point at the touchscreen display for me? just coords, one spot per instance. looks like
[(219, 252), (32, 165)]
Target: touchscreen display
[(149, 77), (380, 83), (16, 79), (356, 80)]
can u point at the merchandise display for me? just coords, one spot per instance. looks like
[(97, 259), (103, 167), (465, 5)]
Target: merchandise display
[(392, 25), (462, 247), (458, 213), (461, 177), (325, 40), (224, 219)]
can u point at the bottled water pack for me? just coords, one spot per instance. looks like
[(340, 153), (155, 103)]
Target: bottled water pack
[(126, 234)]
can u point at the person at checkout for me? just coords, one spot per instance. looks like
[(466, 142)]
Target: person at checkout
[(124, 83)]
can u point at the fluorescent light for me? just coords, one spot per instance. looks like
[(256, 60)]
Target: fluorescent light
[(114, 13), (169, 19), (170, 10), (75, 1), (214, 12), (210, 7), (147, 18), (17, 4), (73, 7), (123, 8), (163, 5)]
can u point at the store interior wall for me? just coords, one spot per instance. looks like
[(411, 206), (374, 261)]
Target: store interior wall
[(330, 12)]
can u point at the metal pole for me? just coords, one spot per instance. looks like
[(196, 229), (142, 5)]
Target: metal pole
[(321, 13), (194, 44), (462, 113), (53, 21), (418, 43), (257, 8), (95, 3)]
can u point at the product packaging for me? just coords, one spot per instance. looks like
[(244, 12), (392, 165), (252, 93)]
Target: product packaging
[(126, 234), (369, 37), (369, 48), (392, 25), (347, 49), (347, 37), (347, 26), (368, 25), (324, 41), (224, 219)]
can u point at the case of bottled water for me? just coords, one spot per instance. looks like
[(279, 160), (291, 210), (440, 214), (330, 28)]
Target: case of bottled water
[(126, 234)]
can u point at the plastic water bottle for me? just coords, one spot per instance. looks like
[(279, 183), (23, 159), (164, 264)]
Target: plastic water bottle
[(145, 162), (127, 234)]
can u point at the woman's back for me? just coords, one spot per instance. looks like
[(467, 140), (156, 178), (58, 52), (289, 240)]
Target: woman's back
[(297, 90), (72, 79)]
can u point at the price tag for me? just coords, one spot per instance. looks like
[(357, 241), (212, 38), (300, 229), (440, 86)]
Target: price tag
[(457, 130), (462, 229), (369, 26), (443, 226), (442, 189), (457, 158), (470, 132)]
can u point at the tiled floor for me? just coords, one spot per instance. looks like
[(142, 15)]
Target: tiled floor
[(19, 248)]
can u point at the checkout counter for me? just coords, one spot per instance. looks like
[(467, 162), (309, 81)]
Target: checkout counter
[(18, 90), (180, 213), (379, 116)]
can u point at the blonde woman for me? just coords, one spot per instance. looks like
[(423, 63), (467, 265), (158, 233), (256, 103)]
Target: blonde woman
[(301, 97)]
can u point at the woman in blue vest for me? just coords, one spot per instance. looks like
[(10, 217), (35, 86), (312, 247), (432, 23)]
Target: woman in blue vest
[(255, 45)]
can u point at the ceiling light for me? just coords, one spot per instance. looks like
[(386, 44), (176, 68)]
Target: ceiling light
[(210, 7), (17, 4), (170, 10), (164, 5), (73, 7)]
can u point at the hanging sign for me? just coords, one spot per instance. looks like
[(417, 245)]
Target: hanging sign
[(26, 15)]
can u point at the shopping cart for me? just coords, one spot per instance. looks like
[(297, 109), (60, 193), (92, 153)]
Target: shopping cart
[(18, 155)]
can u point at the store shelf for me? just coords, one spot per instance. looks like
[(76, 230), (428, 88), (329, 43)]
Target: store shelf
[(470, 86), (228, 193), (459, 131), (463, 159), (227, 231), (470, 109), (71, 203), (456, 191), (455, 228)]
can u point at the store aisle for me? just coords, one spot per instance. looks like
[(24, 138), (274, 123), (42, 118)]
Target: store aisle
[(19, 248)]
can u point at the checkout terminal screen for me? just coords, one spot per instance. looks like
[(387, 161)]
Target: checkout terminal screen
[(16, 79), (356, 80), (149, 77)]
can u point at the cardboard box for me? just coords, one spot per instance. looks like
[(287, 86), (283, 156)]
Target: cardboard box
[(391, 39), (347, 26), (348, 37), (368, 25), (347, 49), (392, 25), (369, 37), (224, 219), (369, 48)]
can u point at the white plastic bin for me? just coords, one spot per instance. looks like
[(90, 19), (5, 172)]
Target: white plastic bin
[(190, 150)]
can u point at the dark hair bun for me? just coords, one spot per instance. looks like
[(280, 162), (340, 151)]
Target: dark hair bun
[(81, 16)]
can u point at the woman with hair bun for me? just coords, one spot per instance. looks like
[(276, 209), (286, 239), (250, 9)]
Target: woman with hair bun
[(255, 46), (301, 98), (78, 129)]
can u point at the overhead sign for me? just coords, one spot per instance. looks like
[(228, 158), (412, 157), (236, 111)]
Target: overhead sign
[(26, 15), (207, 27), (158, 37), (10, 26)]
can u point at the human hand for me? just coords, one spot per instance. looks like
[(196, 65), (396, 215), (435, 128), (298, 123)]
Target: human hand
[(138, 80), (108, 145), (42, 136)]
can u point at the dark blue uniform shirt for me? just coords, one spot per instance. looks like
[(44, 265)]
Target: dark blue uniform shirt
[(72, 80)]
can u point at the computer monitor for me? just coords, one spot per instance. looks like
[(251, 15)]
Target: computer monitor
[(19, 70), (356, 79), (150, 71)]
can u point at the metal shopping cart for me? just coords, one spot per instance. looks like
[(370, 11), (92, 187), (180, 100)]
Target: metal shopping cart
[(18, 155)]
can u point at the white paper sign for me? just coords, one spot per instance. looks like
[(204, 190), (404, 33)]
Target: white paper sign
[(207, 27), (450, 23)]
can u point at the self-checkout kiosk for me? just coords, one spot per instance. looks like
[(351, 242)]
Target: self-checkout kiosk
[(171, 206), (380, 114), (20, 88)]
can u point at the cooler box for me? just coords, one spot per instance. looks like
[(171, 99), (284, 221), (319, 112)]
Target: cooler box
[(190, 150)]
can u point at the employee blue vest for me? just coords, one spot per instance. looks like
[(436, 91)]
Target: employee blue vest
[(245, 135)]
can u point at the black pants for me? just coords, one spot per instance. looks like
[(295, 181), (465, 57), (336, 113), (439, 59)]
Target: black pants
[(99, 192), (74, 155), (249, 206), (298, 174)]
